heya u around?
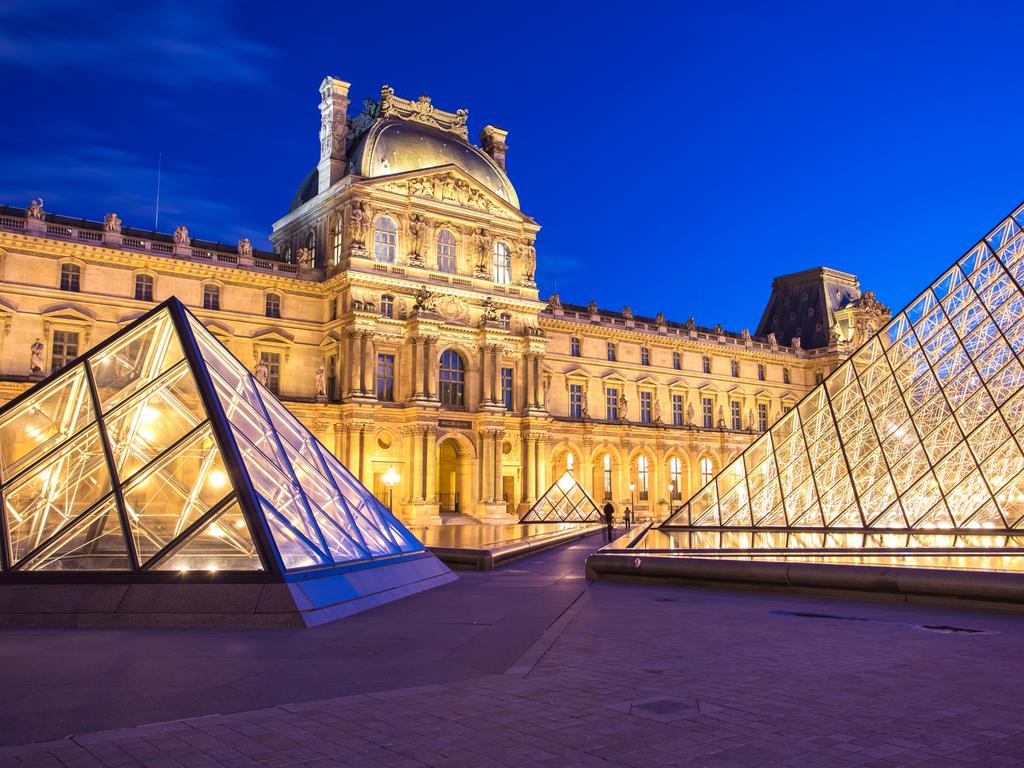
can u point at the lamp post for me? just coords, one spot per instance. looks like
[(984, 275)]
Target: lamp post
[(391, 479), (632, 499)]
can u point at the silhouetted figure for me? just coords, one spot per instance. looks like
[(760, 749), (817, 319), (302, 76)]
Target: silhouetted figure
[(609, 513), (627, 518)]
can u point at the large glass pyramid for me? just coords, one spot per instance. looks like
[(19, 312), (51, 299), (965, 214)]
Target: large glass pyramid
[(159, 452), (920, 429), (564, 502)]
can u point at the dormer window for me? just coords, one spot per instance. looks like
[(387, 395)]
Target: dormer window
[(502, 264), (385, 240), (445, 251)]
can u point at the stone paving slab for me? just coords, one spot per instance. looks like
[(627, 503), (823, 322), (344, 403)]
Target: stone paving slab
[(639, 675)]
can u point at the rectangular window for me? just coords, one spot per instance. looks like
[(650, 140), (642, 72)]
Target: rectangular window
[(211, 297), (611, 351), (737, 419), (785, 375), (575, 401), (70, 277), (645, 407), (273, 362), (677, 361), (506, 388), (336, 243), (762, 416), (387, 305), (760, 372), (386, 378), (143, 288), (63, 350), (706, 361), (818, 377), (707, 407), (332, 378), (677, 410), (273, 305), (645, 356), (574, 345), (611, 403)]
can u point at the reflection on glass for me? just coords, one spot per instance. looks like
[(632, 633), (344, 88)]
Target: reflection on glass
[(135, 360), (93, 543), (223, 544)]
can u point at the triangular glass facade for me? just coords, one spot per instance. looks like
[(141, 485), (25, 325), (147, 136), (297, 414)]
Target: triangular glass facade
[(564, 502), (921, 428), (158, 451)]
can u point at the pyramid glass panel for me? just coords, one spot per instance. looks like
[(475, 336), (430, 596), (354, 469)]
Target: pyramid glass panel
[(920, 429), (94, 542), (564, 502), (222, 543)]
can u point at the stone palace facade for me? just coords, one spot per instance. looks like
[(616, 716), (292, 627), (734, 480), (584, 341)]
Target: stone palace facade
[(398, 316)]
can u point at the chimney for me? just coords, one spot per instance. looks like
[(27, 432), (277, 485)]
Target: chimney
[(492, 139), (333, 131)]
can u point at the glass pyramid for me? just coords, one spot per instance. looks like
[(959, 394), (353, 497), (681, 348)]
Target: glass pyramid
[(158, 451), (564, 502), (920, 429)]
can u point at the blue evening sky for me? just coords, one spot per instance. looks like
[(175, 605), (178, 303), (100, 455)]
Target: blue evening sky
[(678, 155)]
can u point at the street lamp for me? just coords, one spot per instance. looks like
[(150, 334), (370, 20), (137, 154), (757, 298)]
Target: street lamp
[(632, 499), (391, 479)]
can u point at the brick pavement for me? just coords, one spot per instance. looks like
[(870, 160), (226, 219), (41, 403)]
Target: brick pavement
[(637, 675)]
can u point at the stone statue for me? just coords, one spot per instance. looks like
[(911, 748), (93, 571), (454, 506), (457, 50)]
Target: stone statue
[(321, 382), (547, 388), (423, 300), (718, 328), (773, 339), (745, 334), (584, 409), (245, 248), (529, 261), (35, 209), (721, 417), (750, 419), (657, 410), (418, 229), (659, 318), (490, 311), (627, 312), (262, 373), (358, 221), (555, 301), (691, 324), (796, 342), (181, 236), (623, 405), (112, 223), (36, 362), (304, 256), (592, 307), (478, 245), (689, 414)]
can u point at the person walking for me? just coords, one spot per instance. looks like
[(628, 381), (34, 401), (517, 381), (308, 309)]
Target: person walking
[(627, 518), (609, 514)]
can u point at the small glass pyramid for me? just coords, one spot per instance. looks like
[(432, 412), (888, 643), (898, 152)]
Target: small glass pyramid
[(157, 451), (564, 502), (921, 429)]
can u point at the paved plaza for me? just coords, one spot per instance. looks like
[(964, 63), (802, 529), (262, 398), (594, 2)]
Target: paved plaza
[(529, 665)]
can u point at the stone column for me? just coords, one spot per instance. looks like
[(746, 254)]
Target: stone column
[(542, 467), (414, 344), (363, 344), (486, 460), (537, 491), (430, 369), (339, 442), (416, 463), (495, 379), (541, 400), (536, 381), (371, 365), (349, 377), (529, 495), (430, 469), (496, 469)]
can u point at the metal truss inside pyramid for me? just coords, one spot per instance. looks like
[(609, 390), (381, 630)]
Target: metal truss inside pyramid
[(158, 451), (564, 502), (921, 428)]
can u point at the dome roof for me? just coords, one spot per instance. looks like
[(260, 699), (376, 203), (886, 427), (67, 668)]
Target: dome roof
[(396, 146)]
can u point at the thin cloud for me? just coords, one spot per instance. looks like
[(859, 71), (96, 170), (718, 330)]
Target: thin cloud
[(174, 44)]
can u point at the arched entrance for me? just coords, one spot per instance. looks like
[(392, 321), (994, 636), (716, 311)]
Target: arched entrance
[(454, 477)]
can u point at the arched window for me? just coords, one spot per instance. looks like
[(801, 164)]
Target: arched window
[(453, 379), (70, 277), (337, 238), (445, 251), (642, 476), (143, 287), (272, 305), (211, 296), (707, 471), (607, 477), (675, 477), (311, 248), (502, 264), (570, 461), (385, 240)]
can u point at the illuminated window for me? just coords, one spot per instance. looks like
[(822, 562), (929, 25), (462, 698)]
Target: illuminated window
[(645, 356), (760, 372), (707, 470), (575, 401), (607, 466), (570, 462), (611, 404), (506, 388), (387, 305), (642, 477), (675, 477), (386, 378), (63, 349), (677, 410), (452, 379), (707, 407), (737, 419), (502, 264), (385, 240), (762, 416), (273, 305), (211, 297), (311, 247), (273, 362), (70, 277), (645, 407), (706, 363), (785, 375), (677, 361), (505, 321), (574, 346), (734, 368), (143, 287), (337, 239), (611, 351), (445, 251)]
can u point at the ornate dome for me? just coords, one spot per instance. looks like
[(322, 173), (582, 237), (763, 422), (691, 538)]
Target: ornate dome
[(396, 146)]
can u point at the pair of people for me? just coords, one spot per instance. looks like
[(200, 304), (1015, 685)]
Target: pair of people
[(609, 519)]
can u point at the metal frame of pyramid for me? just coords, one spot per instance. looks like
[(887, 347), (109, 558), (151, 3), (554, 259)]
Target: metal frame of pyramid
[(157, 458), (564, 502), (920, 430)]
